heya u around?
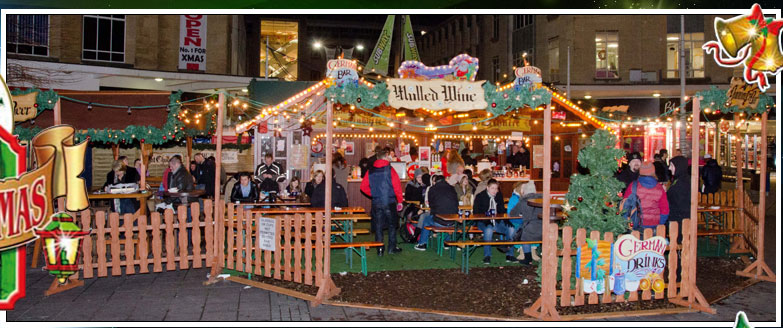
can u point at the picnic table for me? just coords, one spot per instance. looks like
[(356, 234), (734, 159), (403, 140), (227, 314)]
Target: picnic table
[(716, 224), (462, 220), (140, 196)]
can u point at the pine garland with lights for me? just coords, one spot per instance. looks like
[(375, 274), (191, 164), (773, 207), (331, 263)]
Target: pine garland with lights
[(43, 101), (500, 100), (592, 199), (172, 129), (716, 100), (359, 95)]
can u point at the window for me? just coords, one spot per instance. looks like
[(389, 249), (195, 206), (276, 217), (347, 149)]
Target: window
[(694, 56), (104, 38), (553, 53), (606, 55), (495, 69), (283, 49), (521, 21), (495, 27), (28, 34)]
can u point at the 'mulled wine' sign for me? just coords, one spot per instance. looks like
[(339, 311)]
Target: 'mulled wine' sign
[(436, 94)]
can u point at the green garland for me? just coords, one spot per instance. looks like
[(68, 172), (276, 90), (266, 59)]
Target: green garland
[(43, 101), (172, 130), (25, 134), (359, 95), (716, 100), (498, 102)]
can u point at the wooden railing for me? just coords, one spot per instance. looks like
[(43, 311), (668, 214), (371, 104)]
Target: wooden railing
[(300, 246), (140, 242)]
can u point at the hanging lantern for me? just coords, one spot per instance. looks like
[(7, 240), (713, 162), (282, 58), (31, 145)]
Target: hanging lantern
[(62, 240)]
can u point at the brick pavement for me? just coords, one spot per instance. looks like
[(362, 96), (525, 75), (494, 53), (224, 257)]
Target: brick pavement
[(180, 296)]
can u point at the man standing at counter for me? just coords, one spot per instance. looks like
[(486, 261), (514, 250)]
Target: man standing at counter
[(383, 184), (518, 158)]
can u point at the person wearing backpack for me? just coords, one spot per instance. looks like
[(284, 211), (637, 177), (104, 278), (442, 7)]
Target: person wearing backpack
[(652, 206), (383, 184)]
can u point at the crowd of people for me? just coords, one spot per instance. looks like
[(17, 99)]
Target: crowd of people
[(663, 186)]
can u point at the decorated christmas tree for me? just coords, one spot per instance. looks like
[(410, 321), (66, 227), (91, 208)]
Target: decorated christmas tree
[(592, 199)]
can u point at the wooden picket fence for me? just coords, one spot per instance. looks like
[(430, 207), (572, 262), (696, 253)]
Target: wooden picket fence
[(300, 242), (146, 242), (749, 217), (576, 297), (744, 219)]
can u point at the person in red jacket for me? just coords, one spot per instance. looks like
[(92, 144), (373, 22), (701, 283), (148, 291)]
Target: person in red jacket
[(383, 184), (655, 206)]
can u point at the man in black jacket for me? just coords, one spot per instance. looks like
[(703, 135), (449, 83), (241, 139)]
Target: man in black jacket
[(339, 196), (443, 199), (178, 179), (491, 199), (661, 169), (630, 172), (679, 193), (205, 175), (130, 171), (711, 176), (245, 191), (271, 167)]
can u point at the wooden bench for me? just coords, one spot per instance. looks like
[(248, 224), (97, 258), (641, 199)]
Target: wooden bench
[(721, 236), (360, 247), (468, 246), (441, 233)]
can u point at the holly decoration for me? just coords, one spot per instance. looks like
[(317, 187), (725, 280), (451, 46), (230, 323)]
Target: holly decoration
[(596, 193)]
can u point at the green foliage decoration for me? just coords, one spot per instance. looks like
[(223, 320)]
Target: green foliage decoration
[(592, 199)]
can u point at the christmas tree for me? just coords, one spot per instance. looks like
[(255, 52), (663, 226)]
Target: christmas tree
[(592, 201)]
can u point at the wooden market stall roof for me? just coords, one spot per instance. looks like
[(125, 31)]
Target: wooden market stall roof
[(81, 117), (319, 87)]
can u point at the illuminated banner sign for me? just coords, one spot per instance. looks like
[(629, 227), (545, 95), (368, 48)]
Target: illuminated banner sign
[(436, 94), (193, 42), (342, 71)]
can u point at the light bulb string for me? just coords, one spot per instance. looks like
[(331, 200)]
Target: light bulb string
[(95, 104)]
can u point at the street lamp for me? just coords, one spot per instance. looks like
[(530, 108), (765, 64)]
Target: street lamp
[(62, 240), (360, 47), (317, 45)]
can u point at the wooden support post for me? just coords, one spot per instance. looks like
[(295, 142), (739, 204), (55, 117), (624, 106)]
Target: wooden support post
[(740, 185), (327, 289), (762, 271), (189, 144), (72, 282), (545, 309), (216, 265), (694, 298)]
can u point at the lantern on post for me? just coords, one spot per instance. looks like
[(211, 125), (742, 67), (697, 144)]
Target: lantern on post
[(62, 240)]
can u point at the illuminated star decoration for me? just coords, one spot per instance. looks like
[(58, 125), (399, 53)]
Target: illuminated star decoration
[(741, 321), (753, 41)]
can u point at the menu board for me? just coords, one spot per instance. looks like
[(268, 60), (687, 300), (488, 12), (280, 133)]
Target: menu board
[(538, 156)]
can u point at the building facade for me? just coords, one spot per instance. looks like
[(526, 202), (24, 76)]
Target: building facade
[(94, 52), (487, 37)]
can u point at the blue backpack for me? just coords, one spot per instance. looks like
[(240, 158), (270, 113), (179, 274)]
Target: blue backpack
[(631, 208)]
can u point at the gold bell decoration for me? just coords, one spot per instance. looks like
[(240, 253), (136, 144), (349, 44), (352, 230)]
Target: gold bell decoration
[(751, 40)]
